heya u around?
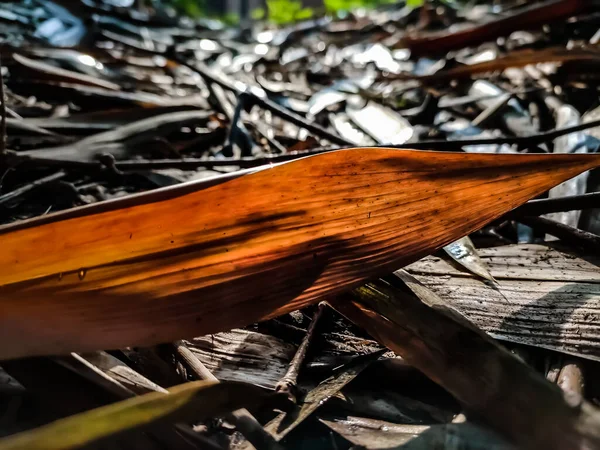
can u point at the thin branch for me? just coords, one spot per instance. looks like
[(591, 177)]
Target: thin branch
[(567, 233), (287, 384), (190, 163), (19, 192), (297, 120), (561, 204), (3, 114), (244, 91)]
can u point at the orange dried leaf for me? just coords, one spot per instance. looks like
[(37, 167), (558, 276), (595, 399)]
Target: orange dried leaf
[(184, 262)]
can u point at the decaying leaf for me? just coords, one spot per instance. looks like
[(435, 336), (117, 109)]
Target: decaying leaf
[(519, 58), (385, 404), (529, 16), (243, 355), (553, 296), (195, 401), (56, 74), (378, 434), (485, 378), (116, 141), (188, 261), (463, 251)]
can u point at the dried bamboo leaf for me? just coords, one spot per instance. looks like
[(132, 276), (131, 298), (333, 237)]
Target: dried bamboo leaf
[(390, 406), (485, 378), (243, 355), (55, 73), (463, 251), (373, 433), (195, 400), (546, 297), (121, 372), (384, 125), (530, 16), (378, 434), (116, 141), (86, 369), (518, 58), (184, 262)]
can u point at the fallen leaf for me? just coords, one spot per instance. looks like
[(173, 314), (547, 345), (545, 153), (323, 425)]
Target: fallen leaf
[(377, 434), (546, 297), (528, 16), (464, 252), (197, 400), (200, 258), (488, 380)]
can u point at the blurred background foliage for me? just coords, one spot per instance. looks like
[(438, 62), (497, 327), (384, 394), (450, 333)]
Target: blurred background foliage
[(279, 12)]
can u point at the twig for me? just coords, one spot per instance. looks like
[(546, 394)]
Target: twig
[(561, 204), (296, 119), (244, 91), (4, 198), (244, 421), (99, 376), (423, 145), (192, 163), (287, 384), (567, 233), (238, 133), (3, 114), (523, 141), (492, 111)]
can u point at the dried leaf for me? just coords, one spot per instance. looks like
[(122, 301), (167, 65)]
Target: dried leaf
[(372, 433), (243, 355), (121, 372), (377, 434), (385, 404), (118, 140), (464, 252), (57, 74), (485, 378), (530, 16), (197, 400), (183, 262), (517, 58), (546, 297), (383, 124)]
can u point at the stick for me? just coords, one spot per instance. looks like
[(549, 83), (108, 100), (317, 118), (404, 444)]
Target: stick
[(3, 115), (567, 233), (550, 205), (287, 384), (19, 192), (253, 99)]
